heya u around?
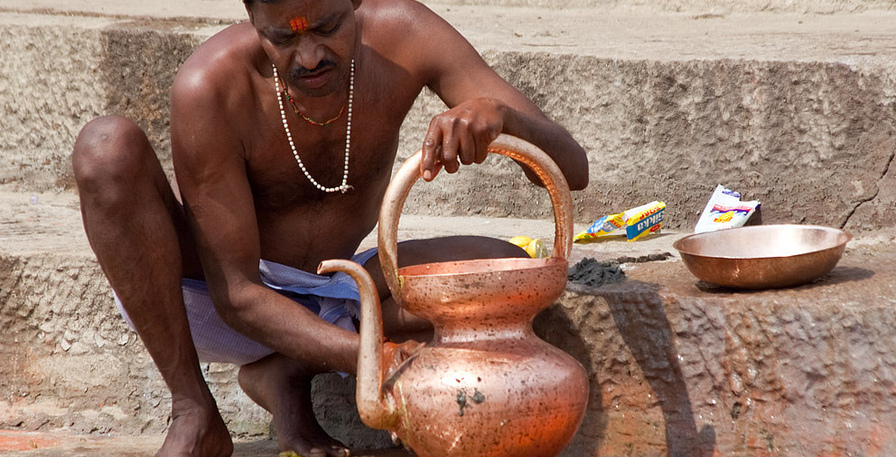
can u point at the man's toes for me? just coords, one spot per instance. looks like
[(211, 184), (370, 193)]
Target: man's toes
[(329, 451), (339, 451)]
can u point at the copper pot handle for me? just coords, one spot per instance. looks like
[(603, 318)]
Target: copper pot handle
[(521, 151)]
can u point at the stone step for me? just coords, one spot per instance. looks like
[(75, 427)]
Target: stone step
[(68, 360), (797, 111), (675, 366)]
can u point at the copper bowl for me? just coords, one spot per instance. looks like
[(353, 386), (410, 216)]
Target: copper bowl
[(763, 256)]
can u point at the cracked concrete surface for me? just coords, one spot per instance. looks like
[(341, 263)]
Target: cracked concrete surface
[(876, 211)]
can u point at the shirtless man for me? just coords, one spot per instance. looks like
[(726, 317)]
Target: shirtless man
[(253, 188)]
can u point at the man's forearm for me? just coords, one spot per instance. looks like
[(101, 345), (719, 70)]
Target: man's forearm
[(289, 328), (555, 141)]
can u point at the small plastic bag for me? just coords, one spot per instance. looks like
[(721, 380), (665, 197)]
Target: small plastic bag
[(724, 210), (634, 223), (535, 247)]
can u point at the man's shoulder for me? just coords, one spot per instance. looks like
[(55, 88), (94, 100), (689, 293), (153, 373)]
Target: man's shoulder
[(391, 7), (219, 62), (383, 18), (213, 91), (405, 31)]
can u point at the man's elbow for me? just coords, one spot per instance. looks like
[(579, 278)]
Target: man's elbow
[(577, 176), (578, 183), (234, 310)]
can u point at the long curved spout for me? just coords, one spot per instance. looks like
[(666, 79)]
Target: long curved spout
[(369, 393)]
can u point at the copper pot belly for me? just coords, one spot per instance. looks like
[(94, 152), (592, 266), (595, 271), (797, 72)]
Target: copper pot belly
[(486, 385)]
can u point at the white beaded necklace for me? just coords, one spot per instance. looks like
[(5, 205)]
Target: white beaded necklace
[(344, 187)]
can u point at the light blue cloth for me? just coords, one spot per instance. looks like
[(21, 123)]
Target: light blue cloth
[(334, 298)]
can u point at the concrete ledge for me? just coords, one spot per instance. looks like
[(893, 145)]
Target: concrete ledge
[(684, 369), (675, 366), (68, 361)]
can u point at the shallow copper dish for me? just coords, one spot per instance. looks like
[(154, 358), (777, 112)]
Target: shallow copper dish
[(763, 256)]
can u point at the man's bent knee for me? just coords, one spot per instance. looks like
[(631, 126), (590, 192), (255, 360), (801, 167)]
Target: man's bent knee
[(109, 149)]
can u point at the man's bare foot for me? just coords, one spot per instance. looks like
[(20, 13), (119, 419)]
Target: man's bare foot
[(196, 432), (282, 386)]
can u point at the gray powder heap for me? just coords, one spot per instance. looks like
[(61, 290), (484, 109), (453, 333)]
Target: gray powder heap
[(592, 273)]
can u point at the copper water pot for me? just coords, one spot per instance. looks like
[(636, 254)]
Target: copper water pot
[(486, 385)]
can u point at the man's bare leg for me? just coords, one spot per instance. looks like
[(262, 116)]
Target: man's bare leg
[(135, 227), (282, 386)]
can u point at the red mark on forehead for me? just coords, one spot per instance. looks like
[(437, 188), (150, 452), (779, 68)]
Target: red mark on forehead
[(299, 24)]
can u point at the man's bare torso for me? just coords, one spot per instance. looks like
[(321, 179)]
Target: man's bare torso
[(298, 224)]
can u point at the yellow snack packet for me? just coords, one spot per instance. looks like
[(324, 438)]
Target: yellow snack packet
[(634, 223), (535, 247), (537, 250)]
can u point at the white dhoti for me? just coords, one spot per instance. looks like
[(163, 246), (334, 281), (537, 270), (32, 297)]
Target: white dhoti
[(334, 298)]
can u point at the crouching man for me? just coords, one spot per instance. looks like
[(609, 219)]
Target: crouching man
[(284, 131)]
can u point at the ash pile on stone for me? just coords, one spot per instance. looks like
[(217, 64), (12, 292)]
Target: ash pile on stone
[(592, 273)]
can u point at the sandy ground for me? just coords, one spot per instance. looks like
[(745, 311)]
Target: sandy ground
[(61, 444)]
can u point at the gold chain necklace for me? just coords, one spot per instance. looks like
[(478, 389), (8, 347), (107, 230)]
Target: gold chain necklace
[(307, 118), (344, 187)]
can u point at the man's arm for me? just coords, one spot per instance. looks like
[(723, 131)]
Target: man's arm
[(211, 171), (481, 106)]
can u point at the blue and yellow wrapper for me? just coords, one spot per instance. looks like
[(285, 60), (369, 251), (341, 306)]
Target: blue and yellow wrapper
[(634, 223)]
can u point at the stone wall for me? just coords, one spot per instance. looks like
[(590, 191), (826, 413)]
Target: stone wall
[(812, 140), (60, 77)]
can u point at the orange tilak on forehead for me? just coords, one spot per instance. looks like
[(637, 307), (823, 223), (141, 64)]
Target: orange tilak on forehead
[(299, 24)]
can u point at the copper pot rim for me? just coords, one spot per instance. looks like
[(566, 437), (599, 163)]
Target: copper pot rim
[(684, 244), (516, 265)]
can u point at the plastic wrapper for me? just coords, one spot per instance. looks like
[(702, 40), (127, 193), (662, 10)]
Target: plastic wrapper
[(724, 210), (633, 224), (535, 247)]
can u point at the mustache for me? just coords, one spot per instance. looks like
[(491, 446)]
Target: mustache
[(302, 72)]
